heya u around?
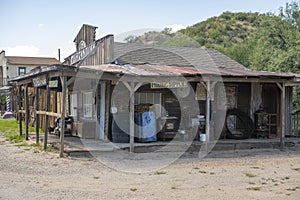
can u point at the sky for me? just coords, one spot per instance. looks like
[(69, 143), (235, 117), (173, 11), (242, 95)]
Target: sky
[(41, 27)]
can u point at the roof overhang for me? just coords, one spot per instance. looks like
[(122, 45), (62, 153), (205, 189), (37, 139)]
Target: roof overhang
[(147, 72)]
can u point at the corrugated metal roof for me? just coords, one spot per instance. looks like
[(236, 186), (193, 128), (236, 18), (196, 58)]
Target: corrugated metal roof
[(159, 71), (166, 70), (42, 61)]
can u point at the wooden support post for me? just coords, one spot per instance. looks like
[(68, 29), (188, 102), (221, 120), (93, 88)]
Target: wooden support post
[(282, 113), (26, 111), (132, 88), (63, 113), (46, 116), (20, 108), (55, 102), (207, 117), (131, 115), (37, 120)]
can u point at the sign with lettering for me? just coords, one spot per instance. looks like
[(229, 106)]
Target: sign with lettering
[(82, 53), (175, 84), (39, 81), (53, 84)]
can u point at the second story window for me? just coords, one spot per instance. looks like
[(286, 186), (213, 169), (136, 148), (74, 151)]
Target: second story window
[(22, 70)]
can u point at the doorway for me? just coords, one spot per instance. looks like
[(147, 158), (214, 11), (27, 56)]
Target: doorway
[(271, 104)]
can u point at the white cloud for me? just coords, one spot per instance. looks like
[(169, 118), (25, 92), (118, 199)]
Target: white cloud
[(40, 25), (176, 27), (21, 51)]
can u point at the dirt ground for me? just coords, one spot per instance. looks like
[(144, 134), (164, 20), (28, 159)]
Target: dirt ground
[(27, 173)]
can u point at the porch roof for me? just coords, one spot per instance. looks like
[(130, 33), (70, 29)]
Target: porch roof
[(156, 71)]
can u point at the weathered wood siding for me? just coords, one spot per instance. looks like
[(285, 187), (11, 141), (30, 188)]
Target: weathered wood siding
[(103, 52), (87, 33)]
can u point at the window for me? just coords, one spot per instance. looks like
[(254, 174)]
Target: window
[(87, 101), (22, 70), (152, 98)]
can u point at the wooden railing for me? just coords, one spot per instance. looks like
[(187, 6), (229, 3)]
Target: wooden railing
[(296, 124)]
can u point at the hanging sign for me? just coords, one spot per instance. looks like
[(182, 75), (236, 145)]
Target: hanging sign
[(39, 81), (53, 84), (177, 84)]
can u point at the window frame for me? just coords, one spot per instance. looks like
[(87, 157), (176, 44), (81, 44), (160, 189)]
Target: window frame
[(19, 70), (87, 107)]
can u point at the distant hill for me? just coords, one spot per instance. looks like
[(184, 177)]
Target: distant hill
[(222, 31), (225, 30), (258, 41)]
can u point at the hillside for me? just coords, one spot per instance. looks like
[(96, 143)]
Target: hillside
[(222, 31), (258, 41), (225, 30)]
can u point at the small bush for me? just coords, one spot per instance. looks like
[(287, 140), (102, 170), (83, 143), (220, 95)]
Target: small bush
[(296, 169), (255, 188), (159, 172), (250, 175), (202, 172)]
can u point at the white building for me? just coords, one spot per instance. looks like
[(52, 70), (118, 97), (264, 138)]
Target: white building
[(13, 66)]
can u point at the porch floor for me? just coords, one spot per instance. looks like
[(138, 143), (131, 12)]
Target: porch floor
[(77, 146)]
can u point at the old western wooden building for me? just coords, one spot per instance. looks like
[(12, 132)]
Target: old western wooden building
[(129, 92)]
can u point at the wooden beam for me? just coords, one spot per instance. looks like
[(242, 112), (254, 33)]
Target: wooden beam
[(51, 114), (71, 80), (137, 86), (25, 81), (127, 86), (46, 116), (26, 111), (37, 120), (280, 87), (20, 108), (249, 80), (63, 113), (208, 97), (42, 112)]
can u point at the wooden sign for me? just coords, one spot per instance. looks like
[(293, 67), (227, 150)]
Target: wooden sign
[(177, 84), (53, 84), (39, 81), (82, 53)]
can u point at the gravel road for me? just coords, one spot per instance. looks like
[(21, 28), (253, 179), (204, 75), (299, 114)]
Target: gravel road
[(27, 173)]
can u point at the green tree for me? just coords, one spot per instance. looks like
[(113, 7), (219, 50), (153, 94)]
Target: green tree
[(130, 39), (2, 100)]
